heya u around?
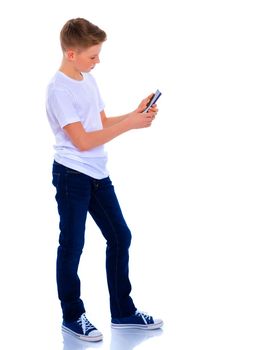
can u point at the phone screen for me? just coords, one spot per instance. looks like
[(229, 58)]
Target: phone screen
[(152, 101)]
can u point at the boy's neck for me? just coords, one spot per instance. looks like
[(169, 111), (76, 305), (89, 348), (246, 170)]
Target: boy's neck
[(70, 71)]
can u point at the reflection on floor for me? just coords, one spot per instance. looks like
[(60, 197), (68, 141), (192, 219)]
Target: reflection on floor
[(127, 339), (121, 339)]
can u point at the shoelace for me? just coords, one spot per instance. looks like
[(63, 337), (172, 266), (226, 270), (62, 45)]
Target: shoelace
[(146, 318), (85, 324)]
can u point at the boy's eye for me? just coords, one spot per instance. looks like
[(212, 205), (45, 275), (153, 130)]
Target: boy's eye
[(93, 57)]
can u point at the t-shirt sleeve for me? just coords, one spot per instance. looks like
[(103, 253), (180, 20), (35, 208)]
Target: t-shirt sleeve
[(62, 107)]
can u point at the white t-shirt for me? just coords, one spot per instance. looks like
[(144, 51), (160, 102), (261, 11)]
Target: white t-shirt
[(70, 101)]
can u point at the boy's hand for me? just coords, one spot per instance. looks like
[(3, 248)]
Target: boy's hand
[(137, 119), (144, 103)]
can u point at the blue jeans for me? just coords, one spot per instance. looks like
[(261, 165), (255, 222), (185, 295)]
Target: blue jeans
[(76, 195)]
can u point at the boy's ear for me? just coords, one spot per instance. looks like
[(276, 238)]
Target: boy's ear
[(70, 54)]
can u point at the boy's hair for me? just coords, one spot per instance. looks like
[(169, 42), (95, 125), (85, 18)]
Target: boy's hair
[(78, 33)]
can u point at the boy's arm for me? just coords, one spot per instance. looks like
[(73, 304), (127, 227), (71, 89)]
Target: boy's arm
[(85, 141), (113, 127), (109, 121)]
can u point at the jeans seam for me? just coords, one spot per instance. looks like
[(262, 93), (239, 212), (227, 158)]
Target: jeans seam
[(117, 257)]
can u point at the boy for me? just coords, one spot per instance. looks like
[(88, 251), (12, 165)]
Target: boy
[(76, 114)]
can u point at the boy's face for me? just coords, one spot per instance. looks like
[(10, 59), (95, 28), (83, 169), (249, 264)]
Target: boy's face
[(86, 59)]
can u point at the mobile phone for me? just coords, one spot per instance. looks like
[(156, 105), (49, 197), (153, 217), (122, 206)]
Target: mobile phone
[(152, 101)]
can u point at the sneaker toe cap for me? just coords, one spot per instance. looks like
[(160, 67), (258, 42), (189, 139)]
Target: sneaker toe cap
[(95, 334), (158, 322)]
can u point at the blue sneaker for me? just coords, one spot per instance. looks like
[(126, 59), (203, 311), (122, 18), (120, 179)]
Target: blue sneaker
[(139, 320), (82, 329)]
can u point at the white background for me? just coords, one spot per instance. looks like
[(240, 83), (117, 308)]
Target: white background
[(199, 190)]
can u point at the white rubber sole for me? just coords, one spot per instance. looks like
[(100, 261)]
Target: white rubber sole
[(137, 326), (91, 338)]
